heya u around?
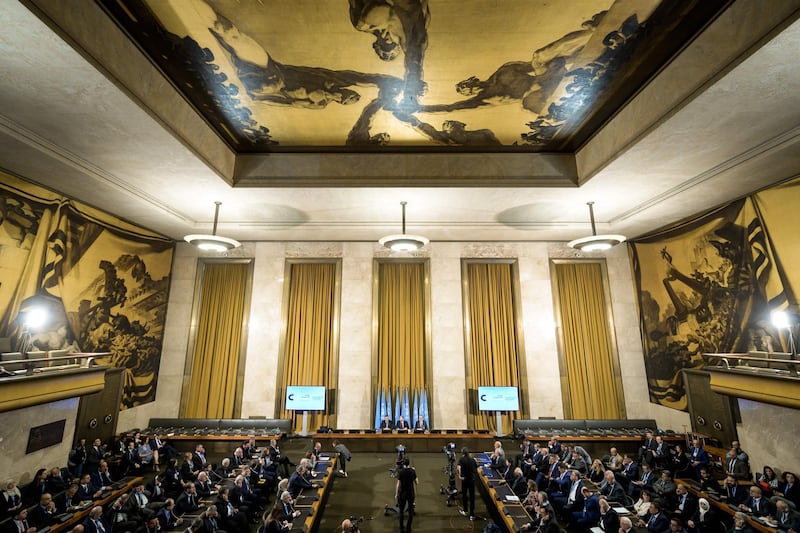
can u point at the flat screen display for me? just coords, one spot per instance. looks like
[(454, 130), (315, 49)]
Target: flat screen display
[(305, 398), (498, 399)]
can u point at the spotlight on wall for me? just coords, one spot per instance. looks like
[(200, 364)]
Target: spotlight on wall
[(782, 320), (595, 242), (403, 242), (213, 242)]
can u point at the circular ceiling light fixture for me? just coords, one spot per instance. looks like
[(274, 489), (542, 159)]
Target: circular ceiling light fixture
[(213, 242), (403, 242), (595, 242)]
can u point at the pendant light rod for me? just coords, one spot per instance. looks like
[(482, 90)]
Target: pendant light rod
[(403, 203), (216, 217), (591, 216)]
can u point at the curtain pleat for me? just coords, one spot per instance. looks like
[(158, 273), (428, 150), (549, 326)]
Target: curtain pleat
[(587, 341), (401, 327), (215, 362), (493, 335), (308, 349)]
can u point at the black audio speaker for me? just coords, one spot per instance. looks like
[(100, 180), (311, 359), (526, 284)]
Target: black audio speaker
[(713, 415)]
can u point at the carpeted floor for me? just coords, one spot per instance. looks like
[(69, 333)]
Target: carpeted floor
[(369, 488)]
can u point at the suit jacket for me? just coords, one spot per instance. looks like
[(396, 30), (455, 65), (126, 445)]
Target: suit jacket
[(96, 526), (386, 425), (199, 461), (630, 471), (85, 492), (613, 492), (609, 522), (698, 455), (591, 510), (658, 523), (40, 517), (288, 511), (519, 486), (761, 508), (689, 506), (401, 425), (736, 468), (790, 493), (93, 457), (167, 519), (735, 494), (186, 503), (420, 426), (297, 483)]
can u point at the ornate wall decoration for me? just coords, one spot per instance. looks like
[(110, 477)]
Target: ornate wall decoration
[(103, 282), (709, 285)]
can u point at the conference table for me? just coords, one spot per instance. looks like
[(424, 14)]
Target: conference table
[(387, 442)]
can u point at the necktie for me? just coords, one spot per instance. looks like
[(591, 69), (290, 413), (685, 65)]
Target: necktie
[(140, 499), (99, 526), (755, 504)]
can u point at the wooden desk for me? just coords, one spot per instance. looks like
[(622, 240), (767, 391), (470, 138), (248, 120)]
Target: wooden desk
[(433, 442), (80, 516), (510, 515), (312, 502), (725, 508)]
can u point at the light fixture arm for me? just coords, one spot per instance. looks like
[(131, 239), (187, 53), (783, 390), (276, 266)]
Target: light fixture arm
[(216, 217), (403, 203), (591, 216)]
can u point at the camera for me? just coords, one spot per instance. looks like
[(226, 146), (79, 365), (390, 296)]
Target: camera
[(449, 450), (354, 521)]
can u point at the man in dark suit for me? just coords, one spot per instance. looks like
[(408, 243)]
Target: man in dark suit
[(611, 489), (685, 503), (44, 513), (755, 503), (698, 457), (401, 425), (708, 483), (167, 517), (589, 516), (629, 471), (573, 498), (68, 501), (420, 426), (199, 460), (647, 448), (95, 523), (86, 490), (655, 520), (736, 467), (94, 455), (118, 516), (545, 524), (187, 502), (732, 492), (519, 485), (386, 424), (643, 483), (289, 513), (298, 482)]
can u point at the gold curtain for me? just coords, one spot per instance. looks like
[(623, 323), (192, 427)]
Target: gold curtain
[(215, 362), (308, 354), (401, 327), (589, 386), (493, 346)]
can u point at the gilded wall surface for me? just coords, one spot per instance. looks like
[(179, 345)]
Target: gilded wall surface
[(709, 285), (103, 283)]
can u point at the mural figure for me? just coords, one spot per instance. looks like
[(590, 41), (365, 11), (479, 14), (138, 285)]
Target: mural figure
[(530, 82), (453, 132), (398, 25), (299, 86)]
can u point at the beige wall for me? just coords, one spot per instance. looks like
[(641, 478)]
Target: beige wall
[(16, 426), (355, 381)]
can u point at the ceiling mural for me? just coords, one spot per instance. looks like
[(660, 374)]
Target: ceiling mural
[(409, 75)]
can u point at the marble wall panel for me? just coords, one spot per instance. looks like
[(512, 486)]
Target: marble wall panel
[(14, 462)]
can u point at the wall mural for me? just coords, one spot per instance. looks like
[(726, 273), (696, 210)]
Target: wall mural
[(709, 285), (103, 283), (409, 74)]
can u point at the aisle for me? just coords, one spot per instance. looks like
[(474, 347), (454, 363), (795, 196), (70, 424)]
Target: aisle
[(369, 488)]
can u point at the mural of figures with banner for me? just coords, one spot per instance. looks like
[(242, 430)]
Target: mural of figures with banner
[(709, 285), (103, 283)]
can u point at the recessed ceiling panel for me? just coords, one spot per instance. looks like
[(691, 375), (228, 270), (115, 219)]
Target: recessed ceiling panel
[(409, 75)]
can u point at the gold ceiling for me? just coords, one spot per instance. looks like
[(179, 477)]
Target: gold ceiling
[(409, 75)]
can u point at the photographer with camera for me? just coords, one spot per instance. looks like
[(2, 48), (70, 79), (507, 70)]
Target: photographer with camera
[(350, 525), (343, 454), (468, 473), (405, 492)]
